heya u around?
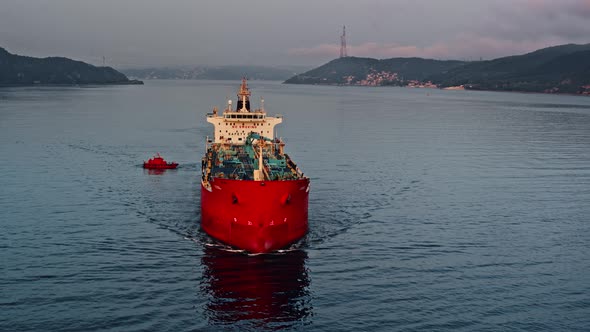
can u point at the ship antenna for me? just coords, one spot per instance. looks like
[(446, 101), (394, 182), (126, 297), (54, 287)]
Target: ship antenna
[(262, 104)]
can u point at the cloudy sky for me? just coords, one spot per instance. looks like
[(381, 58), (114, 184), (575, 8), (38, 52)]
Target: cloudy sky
[(277, 32)]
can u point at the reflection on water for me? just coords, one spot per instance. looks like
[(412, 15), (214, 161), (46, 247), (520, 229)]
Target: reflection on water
[(154, 171), (269, 291)]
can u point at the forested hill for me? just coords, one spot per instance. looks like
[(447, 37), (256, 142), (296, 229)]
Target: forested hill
[(24, 70), (564, 69), (558, 69), (368, 71)]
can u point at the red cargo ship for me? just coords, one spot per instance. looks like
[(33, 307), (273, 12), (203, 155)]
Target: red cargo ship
[(253, 196)]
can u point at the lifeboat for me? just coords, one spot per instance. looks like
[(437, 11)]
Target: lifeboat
[(157, 162)]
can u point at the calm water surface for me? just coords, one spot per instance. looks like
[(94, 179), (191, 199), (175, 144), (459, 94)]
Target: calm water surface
[(429, 210)]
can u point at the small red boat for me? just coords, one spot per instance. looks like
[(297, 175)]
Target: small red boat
[(157, 162)]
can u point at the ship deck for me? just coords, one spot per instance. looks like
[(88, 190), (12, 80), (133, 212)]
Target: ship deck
[(238, 162)]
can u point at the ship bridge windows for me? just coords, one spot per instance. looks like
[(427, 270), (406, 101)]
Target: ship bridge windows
[(245, 116)]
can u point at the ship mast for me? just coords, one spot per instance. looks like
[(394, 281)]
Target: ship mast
[(243, 97)]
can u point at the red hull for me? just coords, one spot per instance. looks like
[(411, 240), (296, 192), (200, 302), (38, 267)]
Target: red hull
[(257, 216), (160, 166)]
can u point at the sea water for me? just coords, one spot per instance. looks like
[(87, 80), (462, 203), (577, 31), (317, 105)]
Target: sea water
[(430, 210)]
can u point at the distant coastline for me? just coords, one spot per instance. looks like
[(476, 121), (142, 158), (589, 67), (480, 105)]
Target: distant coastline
[(16, 85), (563, 69), (17, 70), (214, 72)]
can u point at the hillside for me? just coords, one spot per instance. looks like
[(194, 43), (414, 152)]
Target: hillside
[(562, 69), (557, 69), (24, 70), (368, 71), (212, 73)]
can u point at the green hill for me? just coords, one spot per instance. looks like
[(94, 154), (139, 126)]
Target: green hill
[(368, 71), (555, 69), (24, 70)]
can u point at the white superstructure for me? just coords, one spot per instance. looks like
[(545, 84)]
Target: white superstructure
[(233, 126)]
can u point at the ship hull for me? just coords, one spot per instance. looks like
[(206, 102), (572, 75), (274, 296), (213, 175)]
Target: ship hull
[(168, 166), (256, 216)]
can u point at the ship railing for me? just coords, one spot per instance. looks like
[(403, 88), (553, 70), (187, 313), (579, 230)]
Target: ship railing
[(293, 167)]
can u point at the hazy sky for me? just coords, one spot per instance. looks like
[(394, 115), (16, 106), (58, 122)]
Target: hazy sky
[(275, 32)]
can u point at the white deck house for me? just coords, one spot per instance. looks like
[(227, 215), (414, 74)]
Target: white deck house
[(232, 127)]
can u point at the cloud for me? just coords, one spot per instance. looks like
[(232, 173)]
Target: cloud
[(510, 27), (554, 9), (188, 32), (540, 19)]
